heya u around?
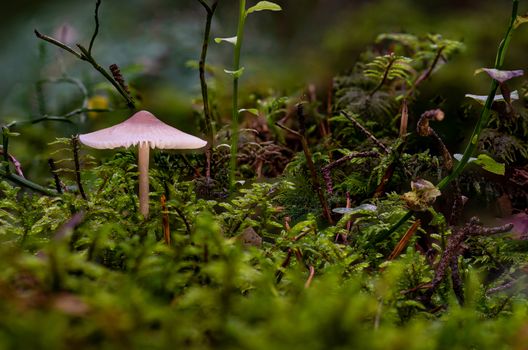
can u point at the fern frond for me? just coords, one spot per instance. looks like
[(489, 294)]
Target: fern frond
[(389, 68)]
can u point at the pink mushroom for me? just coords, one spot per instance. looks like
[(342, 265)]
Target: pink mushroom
[(147, 131)]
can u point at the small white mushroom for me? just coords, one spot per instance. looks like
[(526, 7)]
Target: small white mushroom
[(147, 131)]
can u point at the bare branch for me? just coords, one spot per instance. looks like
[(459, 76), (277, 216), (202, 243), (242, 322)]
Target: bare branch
[(96, 30), (59, 44), (365, 131)]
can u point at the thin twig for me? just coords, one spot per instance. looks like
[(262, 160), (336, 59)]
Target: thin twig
[(96, 30), (51, 118), (502, 287), (205, 5), (165, 221), (75, 149), (288, 129), (203, 82), (58, 43), (352, 155), (27, 183), (425, 75), (86, 55), (366, 132), (53, 169)]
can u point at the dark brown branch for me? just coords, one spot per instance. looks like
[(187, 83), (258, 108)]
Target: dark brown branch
[(86, 55), (75, 149), (165, 221), (458, 287), (53, 169), (58, 43), (425, 75), (366, 132), (455, 247), (96, 30), (288, 129), (203, 82), (352, 155)]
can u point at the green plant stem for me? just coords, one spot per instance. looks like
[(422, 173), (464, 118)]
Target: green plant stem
[(19, 180), (486, 111), (481, 123), (234, 122), (203, 82)]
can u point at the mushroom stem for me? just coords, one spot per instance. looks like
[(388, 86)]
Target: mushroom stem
[(143, 165)]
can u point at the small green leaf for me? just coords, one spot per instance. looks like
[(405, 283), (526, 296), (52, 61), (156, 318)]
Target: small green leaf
[(235, 73), (520, 20), (489, 164), (486, 162), (264, 6), (231, 40), (253, 111)]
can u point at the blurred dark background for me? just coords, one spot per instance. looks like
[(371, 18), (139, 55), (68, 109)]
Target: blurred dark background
[(309, 42)]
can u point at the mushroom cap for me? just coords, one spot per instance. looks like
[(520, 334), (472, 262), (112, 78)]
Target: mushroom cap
[(142, 127)]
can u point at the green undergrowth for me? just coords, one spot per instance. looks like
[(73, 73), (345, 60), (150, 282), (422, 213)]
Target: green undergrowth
[(94, 274)]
